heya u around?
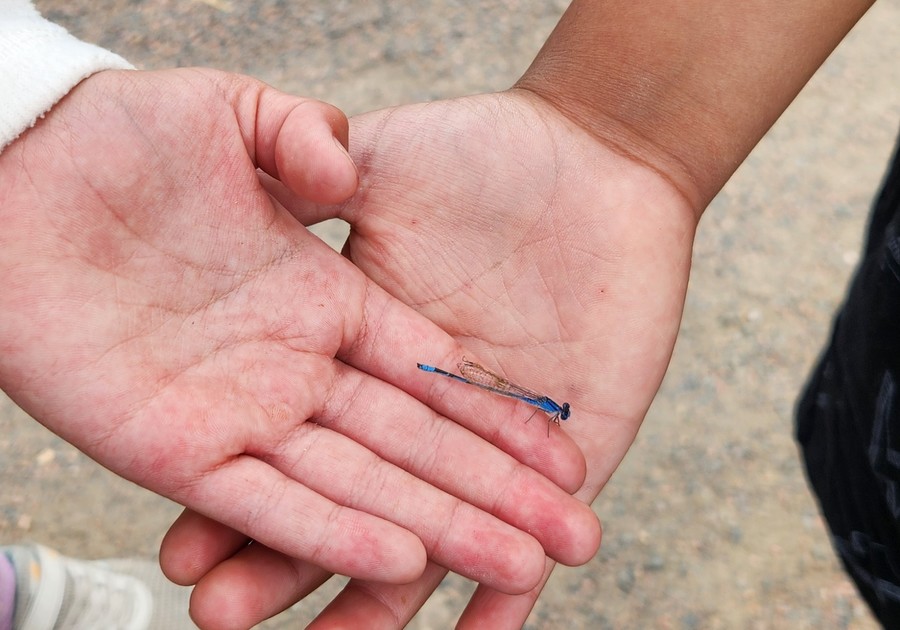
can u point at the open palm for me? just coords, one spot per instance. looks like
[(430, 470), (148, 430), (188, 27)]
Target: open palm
[(532, 244), (165, 315), (549, 256)]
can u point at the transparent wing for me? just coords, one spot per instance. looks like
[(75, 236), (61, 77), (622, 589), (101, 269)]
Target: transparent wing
[(483, 377)]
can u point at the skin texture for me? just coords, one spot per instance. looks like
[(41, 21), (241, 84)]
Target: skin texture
[(550, 229), (584, 274), (547, 230), (199, 341)]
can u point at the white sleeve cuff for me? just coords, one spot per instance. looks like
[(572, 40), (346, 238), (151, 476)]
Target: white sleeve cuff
[(39, 63)]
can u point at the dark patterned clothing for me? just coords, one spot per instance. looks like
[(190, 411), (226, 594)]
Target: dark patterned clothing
[(848, 419)]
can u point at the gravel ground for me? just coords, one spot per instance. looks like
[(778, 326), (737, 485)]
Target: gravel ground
[(708, 522)]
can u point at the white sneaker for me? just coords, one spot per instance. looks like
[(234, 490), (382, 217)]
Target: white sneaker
[(54, 592)]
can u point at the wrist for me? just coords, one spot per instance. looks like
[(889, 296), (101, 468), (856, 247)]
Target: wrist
[(686, 89), (39, 63)]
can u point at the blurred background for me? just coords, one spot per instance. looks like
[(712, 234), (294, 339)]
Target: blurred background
[(708, 523)]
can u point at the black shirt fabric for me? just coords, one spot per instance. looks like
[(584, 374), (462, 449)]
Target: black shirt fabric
[(848, 417)]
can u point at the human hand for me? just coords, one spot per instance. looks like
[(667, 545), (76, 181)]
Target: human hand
[(551, 234), (540, 249), (162, 313)]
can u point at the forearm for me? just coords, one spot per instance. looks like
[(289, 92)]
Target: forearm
[(686, 87)]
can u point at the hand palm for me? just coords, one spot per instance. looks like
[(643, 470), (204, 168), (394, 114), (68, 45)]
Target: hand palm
[(162, 313), (179, 334), (542, 251), (530, 243)]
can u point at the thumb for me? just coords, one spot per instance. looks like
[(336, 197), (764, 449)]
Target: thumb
[(301, 142)]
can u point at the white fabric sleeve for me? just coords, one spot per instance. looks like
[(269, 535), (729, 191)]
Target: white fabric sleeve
[(39, 63)]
